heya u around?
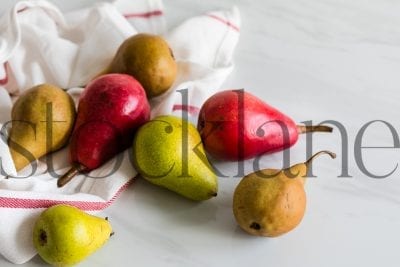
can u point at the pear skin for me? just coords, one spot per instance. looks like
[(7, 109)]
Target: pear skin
[(272, 202), (149, 59), (31, 137), (168, 152), (64, 235)]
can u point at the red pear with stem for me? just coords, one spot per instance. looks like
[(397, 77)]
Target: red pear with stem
[(111, 108), (236, 125)]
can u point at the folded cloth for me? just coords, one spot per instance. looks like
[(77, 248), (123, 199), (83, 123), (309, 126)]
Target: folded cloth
[(39, 44)]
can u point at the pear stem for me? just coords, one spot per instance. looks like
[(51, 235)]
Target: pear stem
[(308, 162), (75, 169), (313, 128)]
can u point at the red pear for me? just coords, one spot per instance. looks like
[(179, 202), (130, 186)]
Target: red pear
[(111, 108), (236, 125)]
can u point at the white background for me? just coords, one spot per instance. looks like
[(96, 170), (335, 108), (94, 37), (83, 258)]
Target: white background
[(314, 60)]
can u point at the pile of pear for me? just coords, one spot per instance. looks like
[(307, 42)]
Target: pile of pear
[(167, 151), (48, 109), (45, 119)]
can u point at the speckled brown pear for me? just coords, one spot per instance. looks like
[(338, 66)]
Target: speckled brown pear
[(272, 202), (149, 59), (42, 120)]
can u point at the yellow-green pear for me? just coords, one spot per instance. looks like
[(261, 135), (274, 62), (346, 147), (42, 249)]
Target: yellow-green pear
[(167, 151), (65, 235), (42, 120), (272, 202), (149, 59)]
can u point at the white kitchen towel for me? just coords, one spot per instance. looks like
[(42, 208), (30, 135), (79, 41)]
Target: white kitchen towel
[(40, 44)]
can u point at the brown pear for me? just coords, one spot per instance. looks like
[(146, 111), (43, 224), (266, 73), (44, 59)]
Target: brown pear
[(42, 120), (272, 202), (149, 59)]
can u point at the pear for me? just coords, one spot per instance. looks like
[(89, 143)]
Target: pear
[(272, 202), (167, 151), (149, 59), (64, 235), (42, 120), (111, 108), (255, 127)]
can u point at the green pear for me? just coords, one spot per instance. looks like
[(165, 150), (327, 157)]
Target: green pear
[(149, 59), (168, 152), (42, 120), (64, 235), (272, 202)]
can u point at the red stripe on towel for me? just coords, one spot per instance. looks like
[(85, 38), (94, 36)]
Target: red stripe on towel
[(19, 203), (187, 108), (144, 15), (226, 22), (5, 79)]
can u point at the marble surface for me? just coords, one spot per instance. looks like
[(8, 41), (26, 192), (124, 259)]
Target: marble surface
[(315, 60)]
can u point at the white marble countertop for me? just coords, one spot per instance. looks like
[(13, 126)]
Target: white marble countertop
[(315, 60)]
